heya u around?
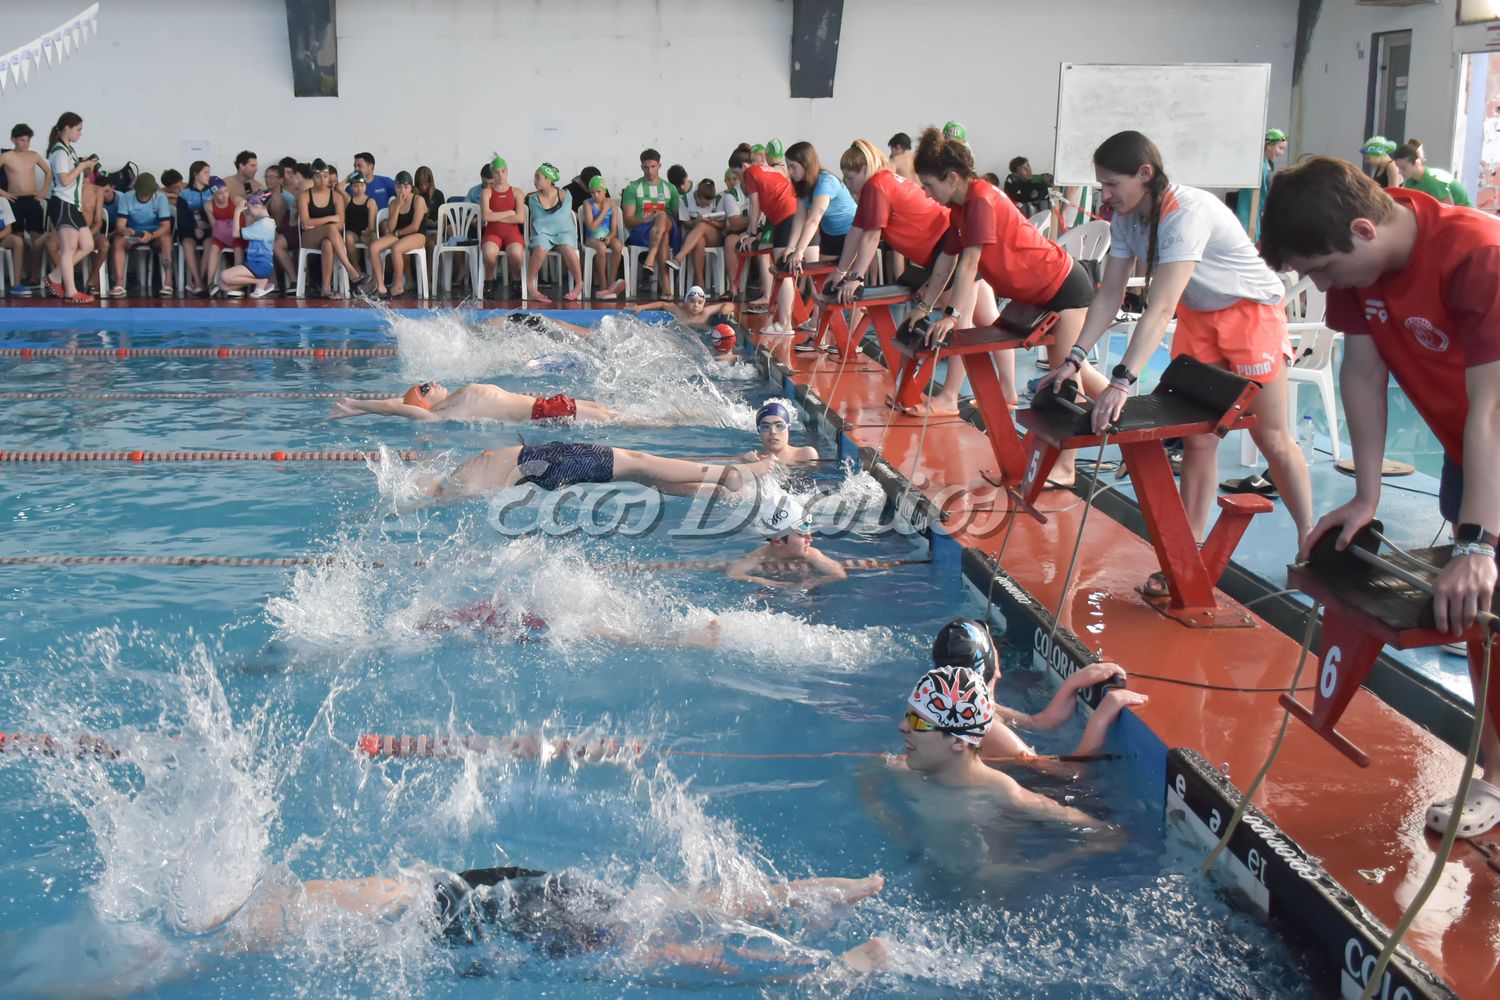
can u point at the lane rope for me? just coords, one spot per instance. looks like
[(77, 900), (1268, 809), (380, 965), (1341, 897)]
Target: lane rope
[(141, 455), (287, 561), (194, 395), (198, 352)]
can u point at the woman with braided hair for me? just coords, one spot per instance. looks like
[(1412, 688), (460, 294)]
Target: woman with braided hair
[(1200, 265)]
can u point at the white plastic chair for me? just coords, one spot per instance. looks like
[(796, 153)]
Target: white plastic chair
[(1043, 222), (586, 256), (145, 267), (1089, 241), (340, 276), (457, 221), (1312, 362), (7, 267)]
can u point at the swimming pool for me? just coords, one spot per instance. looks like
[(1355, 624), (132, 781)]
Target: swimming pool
[(238, 693)]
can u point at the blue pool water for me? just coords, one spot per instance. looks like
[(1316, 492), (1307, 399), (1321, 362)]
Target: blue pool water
[(237, 695)]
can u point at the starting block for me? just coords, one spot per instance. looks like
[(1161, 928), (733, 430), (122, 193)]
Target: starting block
[(803, 305), (1370, 601), (1020, 327), (1191, 398), (877, 304)]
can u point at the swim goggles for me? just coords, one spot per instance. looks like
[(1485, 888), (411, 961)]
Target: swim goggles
[(771, 425), (425, 388), (918, 724)]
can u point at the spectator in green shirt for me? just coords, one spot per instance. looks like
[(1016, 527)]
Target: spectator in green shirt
[(649, 204), (1435, 181)]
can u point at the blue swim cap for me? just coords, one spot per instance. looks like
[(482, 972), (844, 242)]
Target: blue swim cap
[(773, 409)]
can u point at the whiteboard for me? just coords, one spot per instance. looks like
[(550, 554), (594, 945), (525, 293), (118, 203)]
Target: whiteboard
[(1208, 119)]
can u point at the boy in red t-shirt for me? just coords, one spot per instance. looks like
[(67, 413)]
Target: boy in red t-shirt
[(1415, 285)]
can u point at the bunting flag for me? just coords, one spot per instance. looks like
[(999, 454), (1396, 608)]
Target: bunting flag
[(48, 49)]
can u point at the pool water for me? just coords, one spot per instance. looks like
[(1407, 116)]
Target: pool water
[(236, 695)]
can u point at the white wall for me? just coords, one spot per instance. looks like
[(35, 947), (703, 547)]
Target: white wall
[(1330, 109), (444, 82)]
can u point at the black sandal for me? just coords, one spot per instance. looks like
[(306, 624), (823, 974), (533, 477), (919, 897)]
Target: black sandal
[(1257, 483)]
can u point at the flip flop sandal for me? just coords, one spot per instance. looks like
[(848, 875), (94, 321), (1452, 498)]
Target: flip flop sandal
[(757, 310), (1481, 812), (806, 347), (1155, 587), (79, 298), (1251, 484), (53, 287)]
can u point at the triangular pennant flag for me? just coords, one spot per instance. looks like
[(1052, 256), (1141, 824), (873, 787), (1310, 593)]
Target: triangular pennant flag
[(2, 79), (77, 30), (13, 63), (26, 66), (63, 40), (36, 55), (47, 49)]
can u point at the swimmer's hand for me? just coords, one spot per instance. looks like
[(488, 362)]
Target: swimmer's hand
[(1096, 673), (345, 407)]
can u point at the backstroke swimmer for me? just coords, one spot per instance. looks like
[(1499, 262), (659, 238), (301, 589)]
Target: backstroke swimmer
[(788, 559), (773, 422), (695, 310), (477, 401)]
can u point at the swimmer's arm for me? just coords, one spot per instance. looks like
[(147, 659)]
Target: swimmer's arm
[(1110, 707), (384, 407), (830, 568), (1060, 709), (1034, 806), (870, 782), (641, 307), (742, 569)]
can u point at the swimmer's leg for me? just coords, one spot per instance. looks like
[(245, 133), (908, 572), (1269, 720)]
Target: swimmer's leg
[(595, 412), (674, 475), (277, 914), (801, 895)]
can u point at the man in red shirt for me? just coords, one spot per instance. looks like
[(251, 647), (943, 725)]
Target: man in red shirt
[(1415, 285)]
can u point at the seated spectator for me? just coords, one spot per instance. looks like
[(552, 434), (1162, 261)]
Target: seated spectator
[(486, 181), (899, 143), (193, 225), (98, 200), (704, 225), (320, 214), (425, 186), (403, 233), (242, 182), (601, 231), (1031, 194), (359, 217), (1435, 181), (10, 239), (578, 188), (677, 176), (502, 214), (382, 189), (553, 227), (221, 213), (145, 220), (649, 204), (281, 206), (27, 202), (992, 178), (259, 237), (1377, 152)]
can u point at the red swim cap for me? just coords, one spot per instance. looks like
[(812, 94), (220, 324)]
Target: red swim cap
[(415, 396), (723, 338)]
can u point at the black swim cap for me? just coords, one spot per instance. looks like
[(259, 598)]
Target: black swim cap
[(965, 642)]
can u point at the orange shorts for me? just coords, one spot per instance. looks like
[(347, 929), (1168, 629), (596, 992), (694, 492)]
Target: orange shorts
[(1248, 338)]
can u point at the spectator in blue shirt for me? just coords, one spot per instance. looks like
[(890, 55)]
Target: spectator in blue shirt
[(486, 181), (144, 220), (381, 189), (825, 209)]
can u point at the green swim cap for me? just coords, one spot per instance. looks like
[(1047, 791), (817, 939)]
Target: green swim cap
[(1378, 145), (729, 174), (1274, 135), (955, 130), (596, 184), (775, 150), (757, 148), (498, 163), (550, 172)]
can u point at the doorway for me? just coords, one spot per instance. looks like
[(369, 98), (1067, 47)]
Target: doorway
[(1389, 78), (1476, 140)]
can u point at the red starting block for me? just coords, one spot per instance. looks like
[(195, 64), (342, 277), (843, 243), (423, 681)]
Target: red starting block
[(1191, 398), (1370, 601), (739, 274), (804, 303), (876, 304), (1020, 327)]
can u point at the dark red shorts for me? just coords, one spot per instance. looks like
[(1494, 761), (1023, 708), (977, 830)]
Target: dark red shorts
[(553, 408)]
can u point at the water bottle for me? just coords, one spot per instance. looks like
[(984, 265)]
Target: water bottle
[(1306, 436)]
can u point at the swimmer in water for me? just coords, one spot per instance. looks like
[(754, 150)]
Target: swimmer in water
[(494, 619), (773, 422), (788, 559), (568, 914), (478, 401), (559, 464), (695, 310), (537, 323), (966, 642)]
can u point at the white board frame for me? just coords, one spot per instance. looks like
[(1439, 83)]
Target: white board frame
[(1208, 119)]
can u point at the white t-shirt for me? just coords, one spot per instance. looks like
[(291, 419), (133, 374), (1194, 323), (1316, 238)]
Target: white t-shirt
[(63, 159), (1195, 226), (7, 218), (733, 206)]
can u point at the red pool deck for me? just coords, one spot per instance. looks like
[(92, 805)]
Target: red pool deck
[(1365, 825)]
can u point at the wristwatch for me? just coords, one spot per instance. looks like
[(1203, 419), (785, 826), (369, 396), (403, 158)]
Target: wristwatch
[(1122, 374), (1473, 534), (950, 312)]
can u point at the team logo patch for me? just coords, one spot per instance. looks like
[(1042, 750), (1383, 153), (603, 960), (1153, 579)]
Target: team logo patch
[(1426, 334), (1375, 309)]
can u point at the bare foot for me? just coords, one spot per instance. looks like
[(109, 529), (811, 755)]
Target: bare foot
[(871, 956), (932, 406), (574, 295), (707, 637), (535, 293), (852, 890)]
